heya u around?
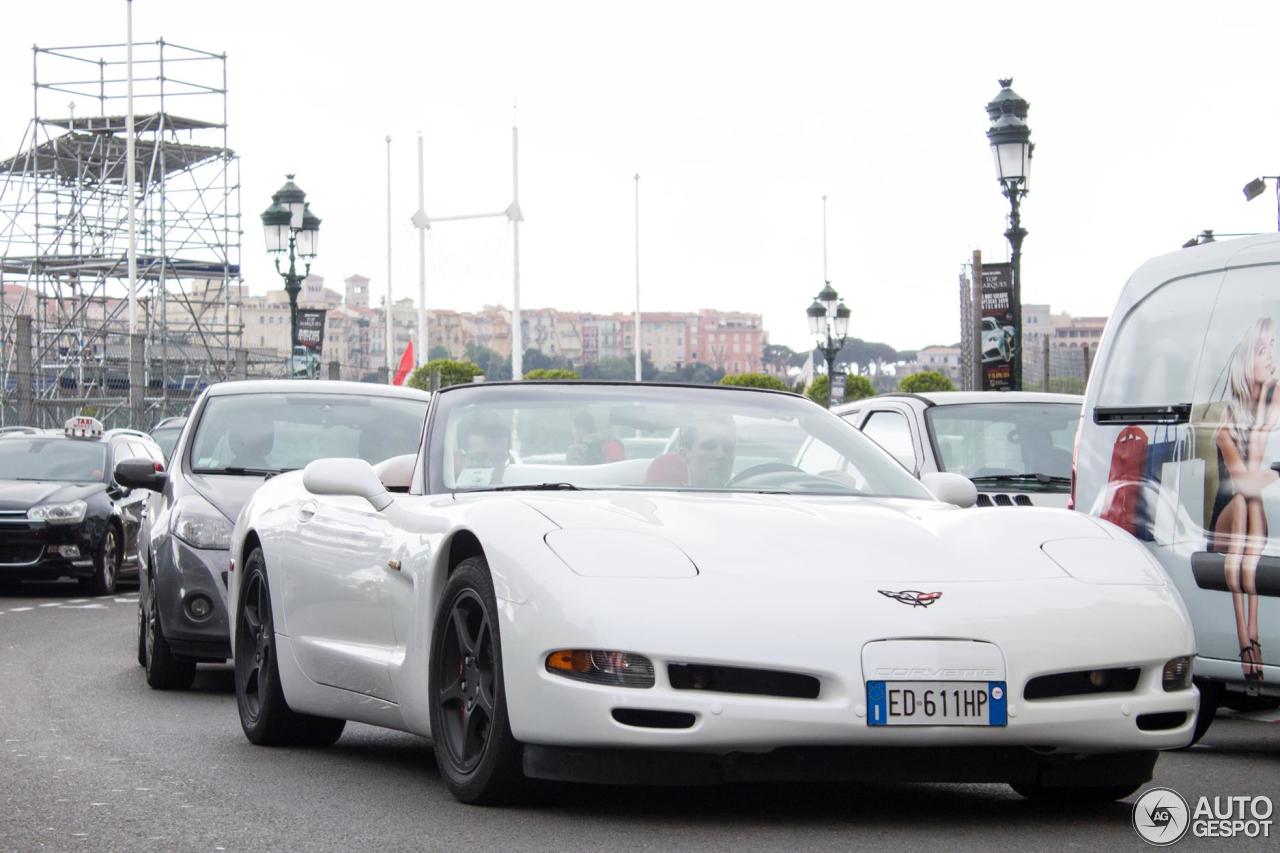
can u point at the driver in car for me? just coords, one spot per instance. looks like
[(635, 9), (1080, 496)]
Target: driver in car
[(484, 449), (705, 456)]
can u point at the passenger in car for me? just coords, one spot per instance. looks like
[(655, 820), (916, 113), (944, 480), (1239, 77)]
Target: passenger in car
[(484, 447), (704, 458)]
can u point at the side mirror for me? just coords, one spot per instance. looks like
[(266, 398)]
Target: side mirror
[(346, 478), (141, 474), (951, 488)]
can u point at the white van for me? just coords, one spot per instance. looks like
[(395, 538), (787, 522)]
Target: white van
[(1179, 445)]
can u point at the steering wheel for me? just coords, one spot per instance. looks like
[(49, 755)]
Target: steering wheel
[(762, 468)]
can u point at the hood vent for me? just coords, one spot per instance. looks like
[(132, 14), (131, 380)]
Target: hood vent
[(985, 499)]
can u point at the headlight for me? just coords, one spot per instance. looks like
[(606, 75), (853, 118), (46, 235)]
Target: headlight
[(200, 525), (68, 513), (617, 669), (1177, 674)]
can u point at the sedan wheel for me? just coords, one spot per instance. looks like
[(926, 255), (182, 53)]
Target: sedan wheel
[(479, 758), (106, 566), (165, 670), (265, 716)]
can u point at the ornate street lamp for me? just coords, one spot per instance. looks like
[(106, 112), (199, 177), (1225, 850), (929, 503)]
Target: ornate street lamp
[(1010, 139), (289, 225), (829, 323)]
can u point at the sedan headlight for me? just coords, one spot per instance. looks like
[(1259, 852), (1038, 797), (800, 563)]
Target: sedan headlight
[(68, 513), (200, 525)]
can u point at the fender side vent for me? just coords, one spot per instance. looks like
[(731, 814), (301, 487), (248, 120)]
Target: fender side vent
[(1081, 683), (1160, 722), (643, 719), (736, 679)]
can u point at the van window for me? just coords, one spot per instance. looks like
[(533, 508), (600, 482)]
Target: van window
[(1236, 404), (1156, 348)]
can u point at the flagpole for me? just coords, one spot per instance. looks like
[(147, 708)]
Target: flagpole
[(422, 269), (391, 340), (637, 322), (517, 332)]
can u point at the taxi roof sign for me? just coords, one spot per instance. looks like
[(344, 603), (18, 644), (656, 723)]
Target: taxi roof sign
[(82, 426)]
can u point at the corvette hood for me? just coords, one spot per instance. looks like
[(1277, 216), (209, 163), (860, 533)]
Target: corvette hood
[(22, 494), (821, 537)]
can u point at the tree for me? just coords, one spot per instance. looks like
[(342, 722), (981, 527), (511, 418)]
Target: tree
[(451, 373), (780, 357), (929, 380), (754, 380), (438, 351), (857, 387), (551, 373), (817, 390)]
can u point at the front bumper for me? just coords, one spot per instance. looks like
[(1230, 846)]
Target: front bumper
[(833, 764), (827, 638), (35, 550), (182, 574)]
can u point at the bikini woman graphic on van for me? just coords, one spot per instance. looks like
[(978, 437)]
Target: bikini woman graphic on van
[(1238, 521)]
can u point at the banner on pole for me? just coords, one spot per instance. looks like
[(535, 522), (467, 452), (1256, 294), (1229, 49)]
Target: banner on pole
[(310, 329), (1001, 339)]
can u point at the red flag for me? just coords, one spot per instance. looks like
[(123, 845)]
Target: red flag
[(406, 365)]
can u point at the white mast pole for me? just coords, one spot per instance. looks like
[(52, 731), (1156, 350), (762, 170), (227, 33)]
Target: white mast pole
[(131, 167), (636, 337), (391, 341), (824, 238), (422, 269), (517, 335)]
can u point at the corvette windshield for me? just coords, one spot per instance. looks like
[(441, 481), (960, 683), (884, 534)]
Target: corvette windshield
[(56, 459), (583, 436), (256, 434)]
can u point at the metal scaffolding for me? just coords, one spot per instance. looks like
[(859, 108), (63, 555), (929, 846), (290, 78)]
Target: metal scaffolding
[(64, 237)]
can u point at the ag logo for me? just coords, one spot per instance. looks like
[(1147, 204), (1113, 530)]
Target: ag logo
[(1161, 816)]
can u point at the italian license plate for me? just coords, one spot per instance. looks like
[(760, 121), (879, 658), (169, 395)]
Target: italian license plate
[(936, 703)]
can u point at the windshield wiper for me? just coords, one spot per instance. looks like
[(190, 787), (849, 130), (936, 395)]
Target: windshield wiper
[(239, 471), (1022, 478), (535, 487)]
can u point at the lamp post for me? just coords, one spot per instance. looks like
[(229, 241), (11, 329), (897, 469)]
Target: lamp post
[(829, 323), (1258, 186), (1010, 139), (289, 225)]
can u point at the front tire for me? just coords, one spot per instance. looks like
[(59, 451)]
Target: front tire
[(106, 566), (265, 716), (165, 670), (480, 761)]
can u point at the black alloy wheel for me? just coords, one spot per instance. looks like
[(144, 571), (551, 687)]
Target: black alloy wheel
[(479, 758), (265, 715), (165, 670), (106, 566)]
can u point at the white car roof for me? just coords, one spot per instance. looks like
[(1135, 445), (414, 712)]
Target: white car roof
[(314, 386), (959, 398)]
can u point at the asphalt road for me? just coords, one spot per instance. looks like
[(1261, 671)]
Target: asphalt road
[(92, 759)]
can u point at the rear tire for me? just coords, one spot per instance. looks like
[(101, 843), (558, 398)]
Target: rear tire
[(480, 761), (165, 670), (106, 566), (265, 715)]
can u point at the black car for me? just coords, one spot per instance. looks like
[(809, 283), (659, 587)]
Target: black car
[(61, 512)]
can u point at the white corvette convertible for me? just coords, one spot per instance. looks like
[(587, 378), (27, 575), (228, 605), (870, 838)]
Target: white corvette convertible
[(772, 597)]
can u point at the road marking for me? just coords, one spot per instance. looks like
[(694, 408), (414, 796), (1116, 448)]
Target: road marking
[(20, 609), (51, 604)]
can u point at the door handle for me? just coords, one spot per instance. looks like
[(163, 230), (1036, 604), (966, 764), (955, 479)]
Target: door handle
[(306, 511)]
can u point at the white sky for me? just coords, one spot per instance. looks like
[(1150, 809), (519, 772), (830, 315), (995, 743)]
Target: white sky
[(1148, 119)]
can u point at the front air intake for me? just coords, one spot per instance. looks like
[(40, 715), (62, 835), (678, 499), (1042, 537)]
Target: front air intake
[(737, 679), (1081, 683), (646, 719)]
